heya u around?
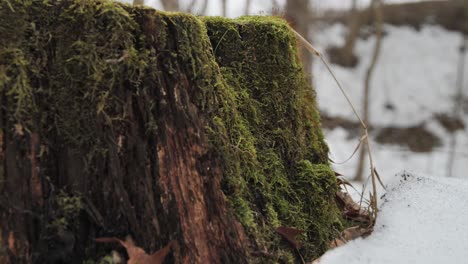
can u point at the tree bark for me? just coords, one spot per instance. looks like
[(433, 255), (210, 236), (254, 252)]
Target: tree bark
[(151, 175)]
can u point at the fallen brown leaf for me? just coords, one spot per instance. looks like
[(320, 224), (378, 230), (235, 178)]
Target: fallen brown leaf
[(355, 232), (336, 243), (350, 234), (137, 255), (290, 233)]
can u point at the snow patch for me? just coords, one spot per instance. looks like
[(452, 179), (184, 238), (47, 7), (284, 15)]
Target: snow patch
[(422, 220)]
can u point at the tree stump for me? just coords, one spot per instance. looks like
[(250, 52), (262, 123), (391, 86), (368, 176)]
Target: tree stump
[(119, 120)]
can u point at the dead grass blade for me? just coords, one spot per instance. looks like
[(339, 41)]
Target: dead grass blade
[(354, 151), (315, 52), (378, 178)]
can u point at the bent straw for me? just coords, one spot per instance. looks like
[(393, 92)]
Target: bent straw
[(365, 137)]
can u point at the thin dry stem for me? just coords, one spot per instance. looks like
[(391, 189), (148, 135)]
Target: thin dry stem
[(354, 151), (315, 52)]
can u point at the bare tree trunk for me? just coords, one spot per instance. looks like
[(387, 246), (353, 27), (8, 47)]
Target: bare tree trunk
[(247, 7), (354, 27), (376, 6), (275, 6), (204, 7), (170, 5), (224, 8), (344, 55), (298, 14), (191, 6), (138, 2)]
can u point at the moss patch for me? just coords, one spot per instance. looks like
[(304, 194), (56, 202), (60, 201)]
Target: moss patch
[(275, 157)]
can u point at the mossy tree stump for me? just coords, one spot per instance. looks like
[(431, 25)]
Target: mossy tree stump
[(119, 121)]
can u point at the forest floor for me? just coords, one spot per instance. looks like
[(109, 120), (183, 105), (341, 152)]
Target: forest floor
[(412, 133)]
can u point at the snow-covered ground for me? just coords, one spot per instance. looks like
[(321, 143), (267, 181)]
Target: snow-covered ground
[(416, 73), (422, 220)]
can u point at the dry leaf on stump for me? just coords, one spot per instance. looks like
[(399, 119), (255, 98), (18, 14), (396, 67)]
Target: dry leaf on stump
[(290, 233), (136, 254)]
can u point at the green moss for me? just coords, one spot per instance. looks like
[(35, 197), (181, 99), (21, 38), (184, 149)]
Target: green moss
[(67, 209), (58, 77), (104, 260), (57, 59), (275, 157)]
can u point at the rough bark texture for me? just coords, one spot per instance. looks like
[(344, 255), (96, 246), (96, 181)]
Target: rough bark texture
[(120, 121)]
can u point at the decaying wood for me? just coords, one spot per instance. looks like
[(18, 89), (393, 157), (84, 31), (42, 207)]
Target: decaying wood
[(163, 185)]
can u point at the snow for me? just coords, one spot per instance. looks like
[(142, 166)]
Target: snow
[(416, 72), (417, 75), (422, 220)]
